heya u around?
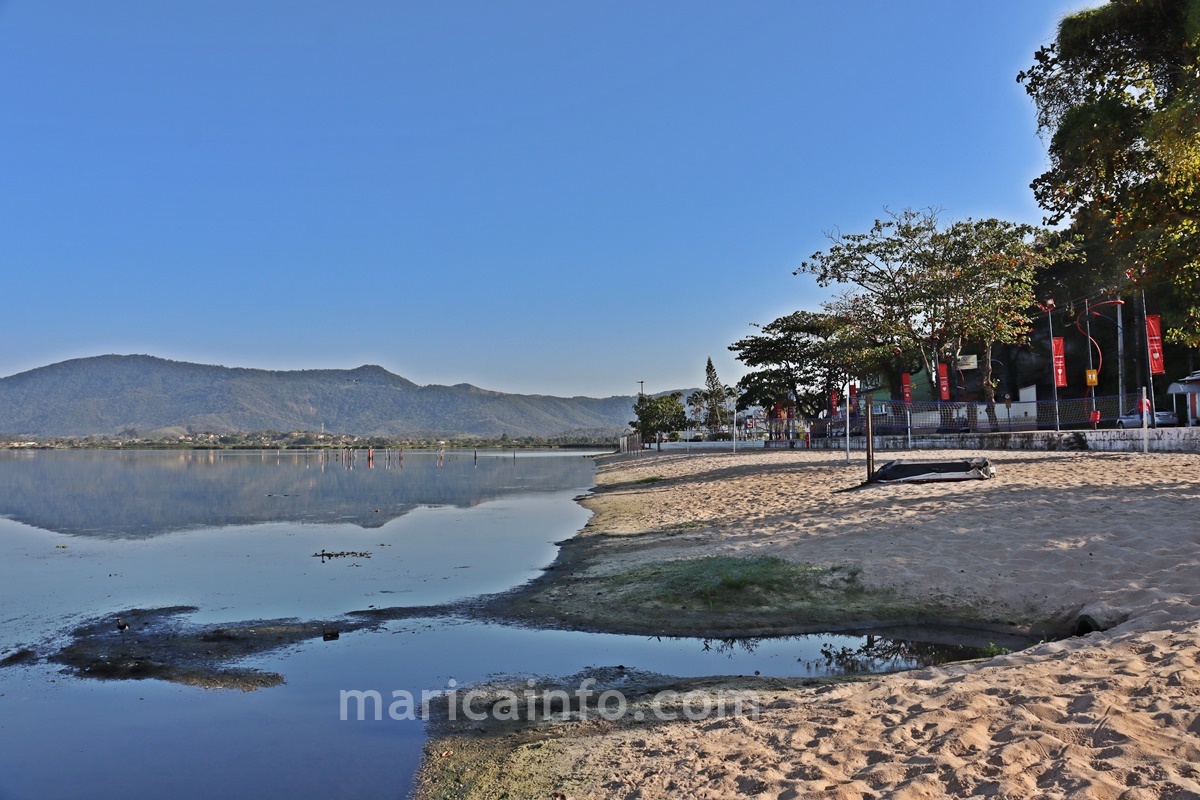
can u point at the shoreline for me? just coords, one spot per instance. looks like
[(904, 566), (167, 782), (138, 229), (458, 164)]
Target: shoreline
[(1067, 540)]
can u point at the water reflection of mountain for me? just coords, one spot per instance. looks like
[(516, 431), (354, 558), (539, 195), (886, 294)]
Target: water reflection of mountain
[(139, 495)]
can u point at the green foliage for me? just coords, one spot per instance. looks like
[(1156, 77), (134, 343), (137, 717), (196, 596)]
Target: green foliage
[(715, 396), (707, 406), (658, 415), (918, 291), (795, 359)]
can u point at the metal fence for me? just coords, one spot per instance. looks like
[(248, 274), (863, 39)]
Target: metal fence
[(892, 417)]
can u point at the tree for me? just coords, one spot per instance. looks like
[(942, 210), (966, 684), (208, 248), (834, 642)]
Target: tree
[(697, 407), (795, 359), (992, 271), (658, 415), (920, 291), (1118, 94), (715, 394), (886, 269)]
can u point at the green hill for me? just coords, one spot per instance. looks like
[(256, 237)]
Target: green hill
[(110, 394)]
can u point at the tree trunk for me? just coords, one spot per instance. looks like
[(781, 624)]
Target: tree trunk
[(931, 373), (989, 391)]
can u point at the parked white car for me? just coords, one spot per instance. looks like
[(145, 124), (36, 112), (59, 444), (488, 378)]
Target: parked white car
[(1162, 419)]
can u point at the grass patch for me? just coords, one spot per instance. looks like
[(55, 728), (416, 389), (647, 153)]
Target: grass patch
[(725, 581), (651, 479), (719, 593)]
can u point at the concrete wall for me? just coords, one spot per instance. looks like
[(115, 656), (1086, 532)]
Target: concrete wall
[(1163, 440)]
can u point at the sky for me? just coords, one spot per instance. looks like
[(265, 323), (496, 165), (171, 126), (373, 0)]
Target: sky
[(544, 197)]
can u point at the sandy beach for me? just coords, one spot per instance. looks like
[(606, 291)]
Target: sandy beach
[(1073, 540)]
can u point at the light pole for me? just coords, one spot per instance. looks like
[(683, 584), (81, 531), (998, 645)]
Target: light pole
[(1048, 307), (1149, 366), (641, 394), (733, 396), (1092, 312)]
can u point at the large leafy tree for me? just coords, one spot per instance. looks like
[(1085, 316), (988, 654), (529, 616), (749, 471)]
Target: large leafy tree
[(1118, 97), (887, 272), (989, 275), (801, 357), (790, 361), (659, 415), (918, 291)]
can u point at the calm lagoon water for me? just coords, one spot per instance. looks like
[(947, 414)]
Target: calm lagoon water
[(233, 533)]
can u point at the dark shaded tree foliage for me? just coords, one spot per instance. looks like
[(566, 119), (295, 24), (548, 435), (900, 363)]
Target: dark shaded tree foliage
[(793, 360), (1118, 99)]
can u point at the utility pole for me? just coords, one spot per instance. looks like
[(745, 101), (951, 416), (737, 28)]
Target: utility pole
[(1048, 307), (1120, 361), (1149, 368), (1087, 316), (734, 426)]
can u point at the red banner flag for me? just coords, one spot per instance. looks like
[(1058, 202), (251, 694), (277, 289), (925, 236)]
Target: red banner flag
[(906, 387), (853, 399), (833, 398), (1154, 344), (1060, 362), (944, 381)]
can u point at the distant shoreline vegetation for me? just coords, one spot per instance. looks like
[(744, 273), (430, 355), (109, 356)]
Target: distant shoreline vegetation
[(303, 440)]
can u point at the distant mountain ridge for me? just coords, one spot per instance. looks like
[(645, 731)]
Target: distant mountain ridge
[(105, 395)]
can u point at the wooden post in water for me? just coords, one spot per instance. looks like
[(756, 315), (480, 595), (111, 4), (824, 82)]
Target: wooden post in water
[(869, 433)]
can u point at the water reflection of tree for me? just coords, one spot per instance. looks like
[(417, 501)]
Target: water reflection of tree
[(877, 654), (727, 647)]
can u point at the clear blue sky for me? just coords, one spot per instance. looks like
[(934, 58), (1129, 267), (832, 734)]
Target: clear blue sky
[(552, 197)]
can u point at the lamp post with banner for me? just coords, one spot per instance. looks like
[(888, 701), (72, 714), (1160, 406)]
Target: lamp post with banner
[(1154, 354), (1058, 369)]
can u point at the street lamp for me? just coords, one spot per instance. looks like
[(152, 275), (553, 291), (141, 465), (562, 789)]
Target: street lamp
[(733, 396), (1090, 311), (1048, 307)]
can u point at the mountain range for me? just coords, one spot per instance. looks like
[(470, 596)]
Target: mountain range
[(111, 394)]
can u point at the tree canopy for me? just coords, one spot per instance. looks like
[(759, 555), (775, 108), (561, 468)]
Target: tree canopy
[(918, 291), (1118, 97), (796, 359), (658, 415)]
